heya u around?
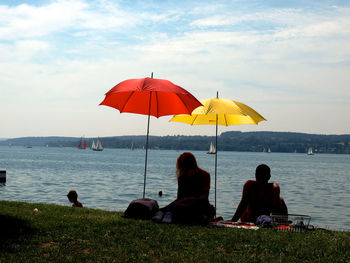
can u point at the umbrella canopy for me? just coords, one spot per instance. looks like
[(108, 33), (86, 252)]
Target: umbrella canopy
[(219, 111), (149, 96)]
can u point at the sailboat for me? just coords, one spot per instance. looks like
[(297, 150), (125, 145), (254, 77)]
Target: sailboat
[(212, 149), (93, 145), (82, 144), (309, 151), (97, 146)]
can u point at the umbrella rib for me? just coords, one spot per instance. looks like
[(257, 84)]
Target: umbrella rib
[(126, 101), (156, 93), (194, 119), (183, 103)]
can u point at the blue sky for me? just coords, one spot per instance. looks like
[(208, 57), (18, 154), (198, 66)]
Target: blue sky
[(289, 60)]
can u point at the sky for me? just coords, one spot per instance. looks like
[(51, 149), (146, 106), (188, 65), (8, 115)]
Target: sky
[(288, 60)]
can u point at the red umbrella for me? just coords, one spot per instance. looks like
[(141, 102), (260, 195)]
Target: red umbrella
[(149, 96)]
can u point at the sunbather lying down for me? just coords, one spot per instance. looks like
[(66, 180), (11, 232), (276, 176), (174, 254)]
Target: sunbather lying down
[(260, 197)]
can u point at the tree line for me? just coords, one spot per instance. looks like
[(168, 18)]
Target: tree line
[(227, 141)]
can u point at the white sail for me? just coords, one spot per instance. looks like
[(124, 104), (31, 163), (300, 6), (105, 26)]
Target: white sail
[(309, 151), (93, 146), (98, 145), (212, 149)]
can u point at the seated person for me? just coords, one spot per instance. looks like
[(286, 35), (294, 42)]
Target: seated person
[(192, 180), (260, 197), (192, 193), (73, 198)]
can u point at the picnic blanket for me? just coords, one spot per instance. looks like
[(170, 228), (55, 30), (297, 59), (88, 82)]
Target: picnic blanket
[(231, 224)]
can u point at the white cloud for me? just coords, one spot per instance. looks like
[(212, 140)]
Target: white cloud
[(286, 23), (25, 21), (294, 59), (23, 51), (231, 17), (217, 20)]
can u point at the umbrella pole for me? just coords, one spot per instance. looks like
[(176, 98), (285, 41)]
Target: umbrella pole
[(149, 115), (216, 153), (216, 156)]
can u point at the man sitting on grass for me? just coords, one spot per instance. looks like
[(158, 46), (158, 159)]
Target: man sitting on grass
[(260, 197)]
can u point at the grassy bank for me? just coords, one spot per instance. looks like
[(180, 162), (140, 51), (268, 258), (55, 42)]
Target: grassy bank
[(64, 234)]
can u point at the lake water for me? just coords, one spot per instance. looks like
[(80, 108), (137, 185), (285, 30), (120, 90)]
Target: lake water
[(316, 185)]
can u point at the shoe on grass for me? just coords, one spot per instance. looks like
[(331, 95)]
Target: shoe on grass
[(168, 218), (158, 216)]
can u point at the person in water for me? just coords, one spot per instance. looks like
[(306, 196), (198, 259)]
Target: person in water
[(260, 197), (192, 192), (73, 198)]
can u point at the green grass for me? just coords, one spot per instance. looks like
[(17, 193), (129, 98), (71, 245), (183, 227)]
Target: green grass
[(65, 234)]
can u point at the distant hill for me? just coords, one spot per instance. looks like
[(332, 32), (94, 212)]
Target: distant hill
[(285, 142), (39, 141), (227, 141)]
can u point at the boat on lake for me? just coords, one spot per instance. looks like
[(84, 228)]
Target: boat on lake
[(97, 146), (309, 151), (82, 144), (212, 149)]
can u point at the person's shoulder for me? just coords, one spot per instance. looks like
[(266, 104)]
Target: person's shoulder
[(203, 172), (250, 184), (77, 204), (274, 185)]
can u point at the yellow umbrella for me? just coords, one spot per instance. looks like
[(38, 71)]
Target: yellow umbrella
[(219, 111)]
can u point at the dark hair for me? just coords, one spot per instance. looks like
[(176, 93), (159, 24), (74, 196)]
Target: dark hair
[(263, 173), (186, 162), (72, 195)]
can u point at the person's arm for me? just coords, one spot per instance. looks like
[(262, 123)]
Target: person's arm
[(243, 203), (276, 196), (180, 194), (206, 186)]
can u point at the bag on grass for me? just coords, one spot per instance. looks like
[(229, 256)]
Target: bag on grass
[(143, 208), (264, 221)]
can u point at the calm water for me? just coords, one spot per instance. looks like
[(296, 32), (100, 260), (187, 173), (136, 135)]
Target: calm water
[(316, 185)]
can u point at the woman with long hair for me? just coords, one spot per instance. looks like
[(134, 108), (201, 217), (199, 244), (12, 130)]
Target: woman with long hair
[(192, 180), (192, 204)]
